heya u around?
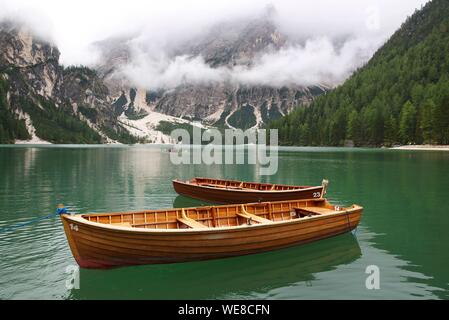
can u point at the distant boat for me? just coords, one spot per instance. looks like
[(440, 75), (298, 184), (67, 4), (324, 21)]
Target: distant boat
[(189, 234), (231, 191)]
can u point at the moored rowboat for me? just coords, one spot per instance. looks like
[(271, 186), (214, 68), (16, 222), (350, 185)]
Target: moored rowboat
[(179, 235), (230, 191)]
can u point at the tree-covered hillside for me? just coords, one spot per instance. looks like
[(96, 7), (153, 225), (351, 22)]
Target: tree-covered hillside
[(400, 96), (11, 127)]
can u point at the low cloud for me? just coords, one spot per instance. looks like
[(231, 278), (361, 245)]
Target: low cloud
[(166, 73), (328, 39), (318, 61)]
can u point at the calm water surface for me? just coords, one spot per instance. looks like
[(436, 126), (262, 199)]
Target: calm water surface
[(404, 229)]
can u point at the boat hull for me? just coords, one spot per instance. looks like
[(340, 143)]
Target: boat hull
[(96, 246), (229, 196)]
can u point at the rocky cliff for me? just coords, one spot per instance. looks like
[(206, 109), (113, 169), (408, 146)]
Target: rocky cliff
[(43, 101)]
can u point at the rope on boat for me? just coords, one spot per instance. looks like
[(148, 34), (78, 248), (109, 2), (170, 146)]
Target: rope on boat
[(349, 223), (60, 210)]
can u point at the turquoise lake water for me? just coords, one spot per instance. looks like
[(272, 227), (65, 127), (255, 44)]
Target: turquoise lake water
[(404, 229)]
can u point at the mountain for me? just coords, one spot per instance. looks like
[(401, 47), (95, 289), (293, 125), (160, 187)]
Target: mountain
[(400, 96), (42, 101), (224, 104)]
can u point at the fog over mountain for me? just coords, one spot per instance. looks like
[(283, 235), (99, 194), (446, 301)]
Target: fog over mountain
[(317, 61), (322, 41)]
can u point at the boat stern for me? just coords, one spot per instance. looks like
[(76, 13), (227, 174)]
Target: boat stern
[(355, 215)]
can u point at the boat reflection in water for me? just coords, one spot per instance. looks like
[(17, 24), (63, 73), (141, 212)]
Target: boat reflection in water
[(186, 202), (225, 278)]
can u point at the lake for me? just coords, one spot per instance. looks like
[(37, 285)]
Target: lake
[(404, 229)]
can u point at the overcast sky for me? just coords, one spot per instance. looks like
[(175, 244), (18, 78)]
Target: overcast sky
[(73, 25)]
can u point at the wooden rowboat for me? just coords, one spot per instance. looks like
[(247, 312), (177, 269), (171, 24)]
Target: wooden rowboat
[(179, 235), (230, 191)]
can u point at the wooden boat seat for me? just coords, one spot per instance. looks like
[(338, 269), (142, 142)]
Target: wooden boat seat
[(219, 186), (314, 211), (245, 214), (254, 218), (189, 221)]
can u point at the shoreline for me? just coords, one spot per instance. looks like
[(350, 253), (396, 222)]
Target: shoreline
[(42, 143), (422, 147)]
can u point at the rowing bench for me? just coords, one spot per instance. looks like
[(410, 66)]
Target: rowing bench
[(189, 221), (245, 214), (313, 211)]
